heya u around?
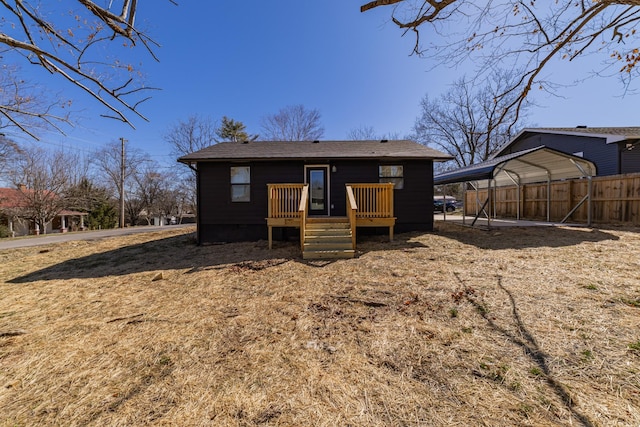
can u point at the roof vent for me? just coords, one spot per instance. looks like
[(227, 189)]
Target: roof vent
[(384, 140), (316, 141), (581, 127)]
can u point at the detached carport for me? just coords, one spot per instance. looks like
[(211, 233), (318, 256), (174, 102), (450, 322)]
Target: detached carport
[(536, 165)]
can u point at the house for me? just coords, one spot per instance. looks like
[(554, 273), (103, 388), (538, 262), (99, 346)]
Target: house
[(263, 189), (11, 204), (14, 206), (614, 150)]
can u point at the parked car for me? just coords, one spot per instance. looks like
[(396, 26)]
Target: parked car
[(438, 205)]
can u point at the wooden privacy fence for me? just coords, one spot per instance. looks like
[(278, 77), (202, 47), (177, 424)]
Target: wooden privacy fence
[(614, 200)]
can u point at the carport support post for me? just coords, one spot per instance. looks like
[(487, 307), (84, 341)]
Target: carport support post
[(477, 199), (590, 191), (495, 199), (518, 202), (464, 202), (548, 199), (444, 202), (489, 204)]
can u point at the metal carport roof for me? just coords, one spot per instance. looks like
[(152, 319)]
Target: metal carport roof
[(540, 164)]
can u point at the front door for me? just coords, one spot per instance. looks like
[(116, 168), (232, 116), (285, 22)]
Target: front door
[(316, 177)]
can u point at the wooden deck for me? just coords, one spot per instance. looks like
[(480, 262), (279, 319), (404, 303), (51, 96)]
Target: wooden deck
[(368, 205)]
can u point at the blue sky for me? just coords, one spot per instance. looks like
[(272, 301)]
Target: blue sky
[(247, 59)]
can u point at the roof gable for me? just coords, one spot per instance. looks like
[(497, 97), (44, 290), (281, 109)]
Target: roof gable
[(609, 134), (11, 198), (284, 150)]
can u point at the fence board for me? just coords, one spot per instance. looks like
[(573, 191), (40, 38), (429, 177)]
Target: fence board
[(615, 200)]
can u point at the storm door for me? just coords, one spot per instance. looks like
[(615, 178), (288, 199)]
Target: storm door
[(316, 177)]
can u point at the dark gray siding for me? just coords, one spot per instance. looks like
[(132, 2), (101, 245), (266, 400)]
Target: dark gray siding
[(605, 156), (220, 219), (629, 159), (414, 204), (216, 206)]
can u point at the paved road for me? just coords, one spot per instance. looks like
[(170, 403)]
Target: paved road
[(83, 235)]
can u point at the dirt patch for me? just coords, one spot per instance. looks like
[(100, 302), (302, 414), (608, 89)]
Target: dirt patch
[(458, 327)]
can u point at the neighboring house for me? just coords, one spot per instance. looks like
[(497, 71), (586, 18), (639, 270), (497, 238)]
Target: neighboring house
[(236, 204), (13, 205), (614, 150)]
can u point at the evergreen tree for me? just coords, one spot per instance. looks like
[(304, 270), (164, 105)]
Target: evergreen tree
[(234, 131), (104, 215)]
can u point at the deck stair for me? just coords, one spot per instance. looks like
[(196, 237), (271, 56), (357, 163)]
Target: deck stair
[(327, 238)]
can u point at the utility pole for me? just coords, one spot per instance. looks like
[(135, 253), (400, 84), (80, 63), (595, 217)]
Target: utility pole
[(122, 170)]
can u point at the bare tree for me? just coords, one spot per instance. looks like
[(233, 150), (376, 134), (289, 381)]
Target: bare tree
[(69, 44), (27, 104), (8, 149), (468, 123), (192, 134), (108, 165), (364, 133), (185, 137), (133, 208), (41, 177), (154, 190), (525, 35), (293, 123)]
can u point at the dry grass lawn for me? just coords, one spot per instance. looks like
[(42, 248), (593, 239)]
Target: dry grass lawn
[(460, 327)]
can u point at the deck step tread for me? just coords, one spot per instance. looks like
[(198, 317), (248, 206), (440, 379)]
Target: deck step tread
[(315, 246), (328, 238), (329, 254)]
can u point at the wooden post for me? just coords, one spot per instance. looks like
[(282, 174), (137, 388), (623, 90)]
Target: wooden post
[(589, 201), (523, 200), (570, 194)]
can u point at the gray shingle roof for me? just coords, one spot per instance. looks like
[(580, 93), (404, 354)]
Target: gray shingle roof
[(303, 150), (609, 134), (629, 132)]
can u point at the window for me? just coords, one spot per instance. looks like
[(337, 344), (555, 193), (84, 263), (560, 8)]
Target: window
[(393, 174), (240, 184)]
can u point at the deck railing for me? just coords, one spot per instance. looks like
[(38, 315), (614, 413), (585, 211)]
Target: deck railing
[(284, 200), (373, 200), (352, 212), (367, 205), (303, 209)]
